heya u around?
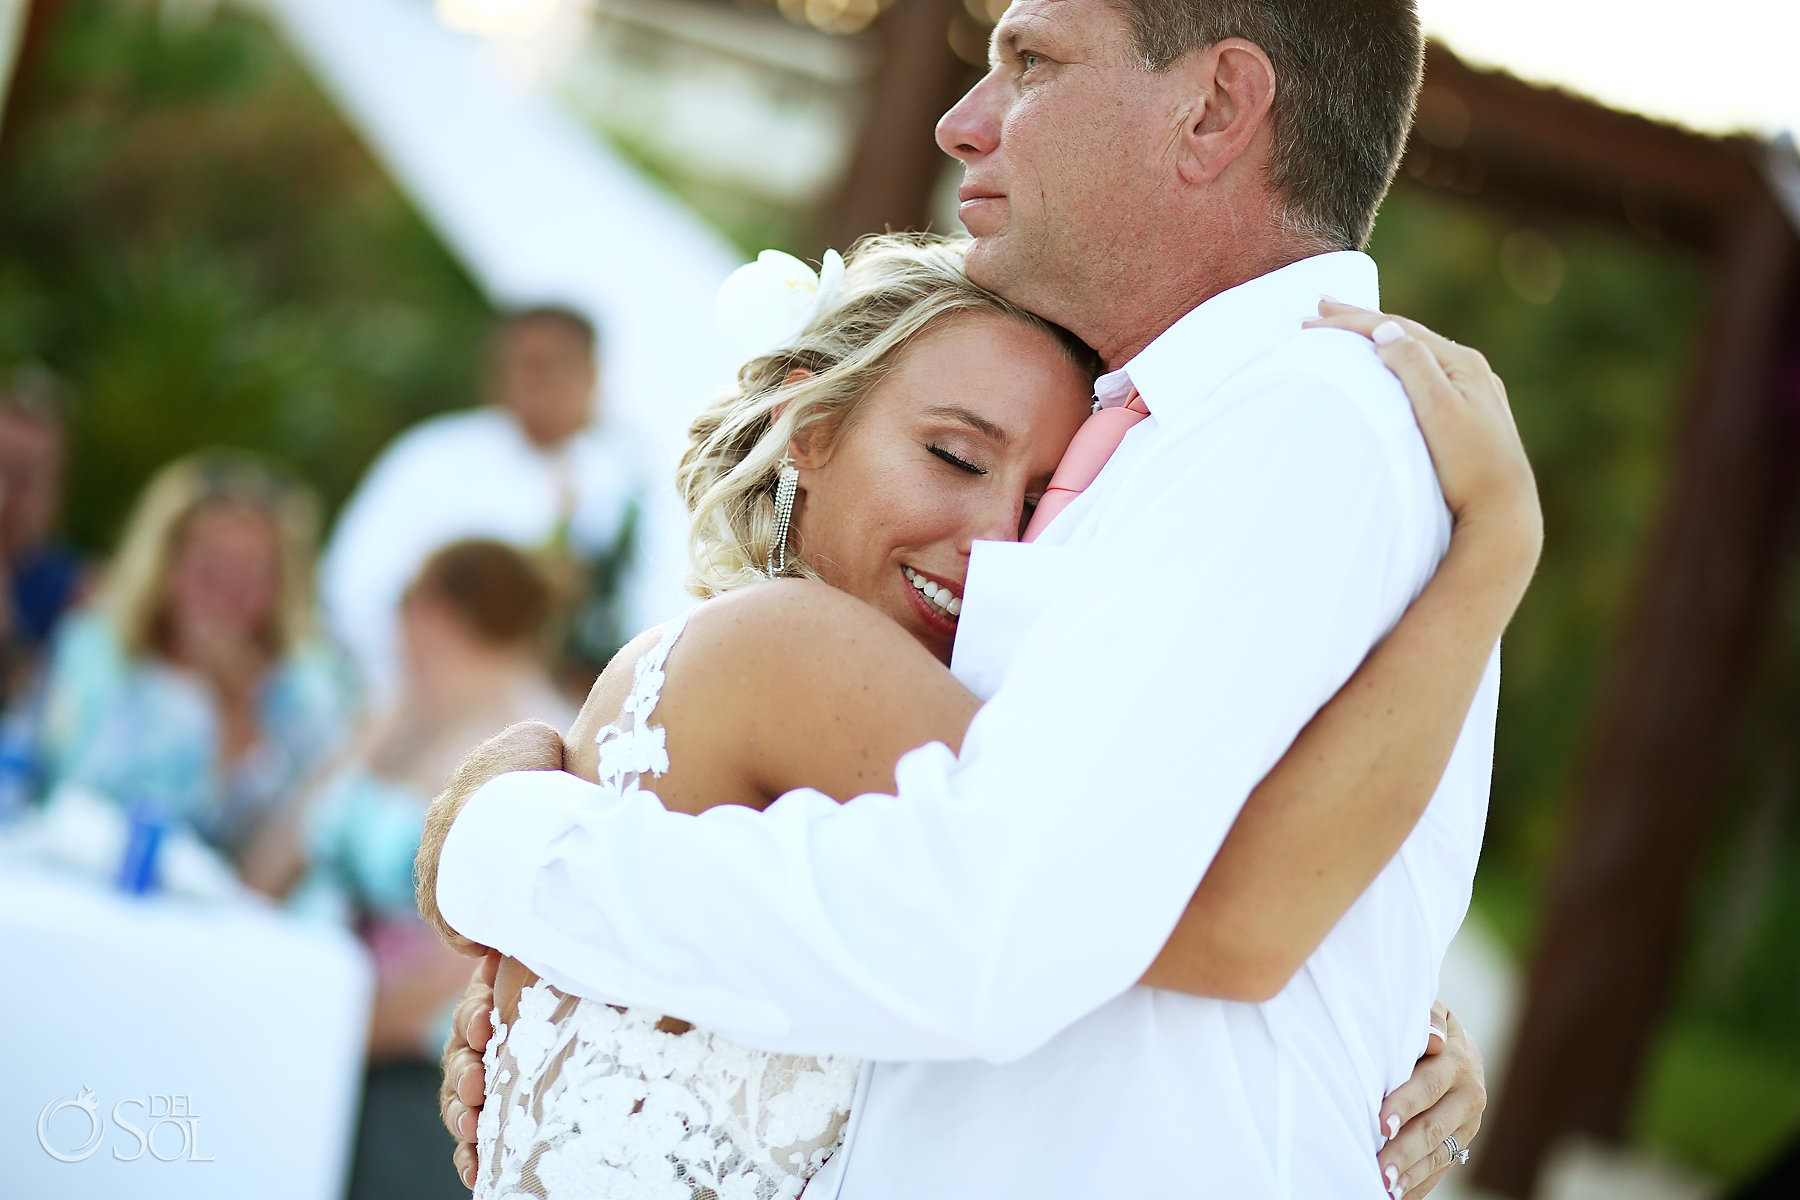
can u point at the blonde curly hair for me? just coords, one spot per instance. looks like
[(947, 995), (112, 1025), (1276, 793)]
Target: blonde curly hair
[(896, 287)]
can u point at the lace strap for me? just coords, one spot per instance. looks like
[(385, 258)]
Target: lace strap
[(649, 673), (631, 745)]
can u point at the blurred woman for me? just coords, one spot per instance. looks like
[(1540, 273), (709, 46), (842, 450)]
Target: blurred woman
[(473, 626), (196, 686)]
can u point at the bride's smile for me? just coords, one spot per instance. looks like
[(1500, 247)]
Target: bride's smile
[(943, 598)]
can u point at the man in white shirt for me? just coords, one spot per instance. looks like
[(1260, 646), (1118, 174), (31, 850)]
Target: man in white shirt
[(533, 467), (1178, 182)]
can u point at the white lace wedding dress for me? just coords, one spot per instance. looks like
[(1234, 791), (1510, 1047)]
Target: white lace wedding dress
[(585, 1099)]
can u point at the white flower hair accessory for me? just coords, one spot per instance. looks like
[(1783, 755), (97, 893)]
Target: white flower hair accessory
[(766, 304)]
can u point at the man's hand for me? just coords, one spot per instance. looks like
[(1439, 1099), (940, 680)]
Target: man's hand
[(527, 746), (465, 1078), (1444, 1098)]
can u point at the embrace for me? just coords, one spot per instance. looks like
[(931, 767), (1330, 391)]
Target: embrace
[(1077, 770)]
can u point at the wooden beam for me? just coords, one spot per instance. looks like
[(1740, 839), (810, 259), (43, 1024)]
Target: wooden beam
[(1615, 911), (1502, 141), (896, 164)]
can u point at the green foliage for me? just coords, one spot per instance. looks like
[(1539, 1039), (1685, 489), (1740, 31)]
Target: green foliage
[(1722, 1102), (1597, 337), (1597, 377), (1724, 1088), (191, 236)]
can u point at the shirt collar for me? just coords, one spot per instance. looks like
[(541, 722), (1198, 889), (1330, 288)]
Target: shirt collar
[(1210, 344), (1112, 389)]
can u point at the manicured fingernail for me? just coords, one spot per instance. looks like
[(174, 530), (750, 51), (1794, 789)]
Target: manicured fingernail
[(1438, 1033), (462, 1127), (1393, 1127), (1392, 1175), (468, 1177), (1388, 331)]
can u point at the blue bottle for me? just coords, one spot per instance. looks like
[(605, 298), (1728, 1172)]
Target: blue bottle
[(143, 844), (18, 775)]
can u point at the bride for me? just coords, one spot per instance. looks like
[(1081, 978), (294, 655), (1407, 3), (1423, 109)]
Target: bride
[(856, 463)]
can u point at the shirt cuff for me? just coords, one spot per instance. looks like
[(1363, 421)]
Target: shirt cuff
[(500, 840)]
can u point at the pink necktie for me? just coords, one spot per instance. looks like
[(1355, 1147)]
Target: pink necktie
[(1094, 443)]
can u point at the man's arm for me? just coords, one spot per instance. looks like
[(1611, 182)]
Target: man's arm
[(528, 746), (1000, 897)]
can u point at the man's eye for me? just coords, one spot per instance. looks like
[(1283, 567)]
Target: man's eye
[(961, 464), (1029, 59)]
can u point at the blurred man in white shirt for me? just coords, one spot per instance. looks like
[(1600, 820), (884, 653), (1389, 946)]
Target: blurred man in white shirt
[(536, 467)]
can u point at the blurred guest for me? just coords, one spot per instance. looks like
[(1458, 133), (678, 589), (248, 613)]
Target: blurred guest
[(472, 632), (40, 578), (533, 468), (196, 687)]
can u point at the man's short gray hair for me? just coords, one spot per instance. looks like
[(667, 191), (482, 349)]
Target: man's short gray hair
[(1347, 78)]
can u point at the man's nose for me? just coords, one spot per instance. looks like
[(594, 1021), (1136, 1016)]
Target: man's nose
[(972, 127)]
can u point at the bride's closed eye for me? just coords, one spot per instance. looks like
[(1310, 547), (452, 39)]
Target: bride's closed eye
[(961, 464)]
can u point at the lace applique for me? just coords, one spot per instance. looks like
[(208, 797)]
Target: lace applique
[(588, 1100), (631, 746)]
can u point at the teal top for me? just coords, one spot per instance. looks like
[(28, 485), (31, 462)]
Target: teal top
[(143, 731), (363, 835)]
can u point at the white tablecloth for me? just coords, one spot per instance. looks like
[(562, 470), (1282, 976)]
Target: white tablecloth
[(222, 1045)]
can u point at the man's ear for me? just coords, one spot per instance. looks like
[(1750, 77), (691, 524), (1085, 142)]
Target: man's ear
[(1234, 91)]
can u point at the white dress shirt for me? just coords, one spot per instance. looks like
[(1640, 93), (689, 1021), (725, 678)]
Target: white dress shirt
[(461, 475), (981, 933)]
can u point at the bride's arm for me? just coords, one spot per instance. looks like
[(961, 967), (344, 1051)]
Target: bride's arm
[(1318, 829), (799, 685)]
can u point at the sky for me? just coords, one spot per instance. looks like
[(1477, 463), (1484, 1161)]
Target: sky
[(1718, 66)]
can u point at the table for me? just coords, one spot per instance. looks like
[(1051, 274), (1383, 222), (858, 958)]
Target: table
[(170, 1048)]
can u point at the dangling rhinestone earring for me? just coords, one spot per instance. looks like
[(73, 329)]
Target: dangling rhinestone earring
[(787, 482)]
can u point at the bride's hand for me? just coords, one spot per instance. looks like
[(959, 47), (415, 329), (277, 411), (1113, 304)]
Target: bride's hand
[(1463, 412), (464, 1085)]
